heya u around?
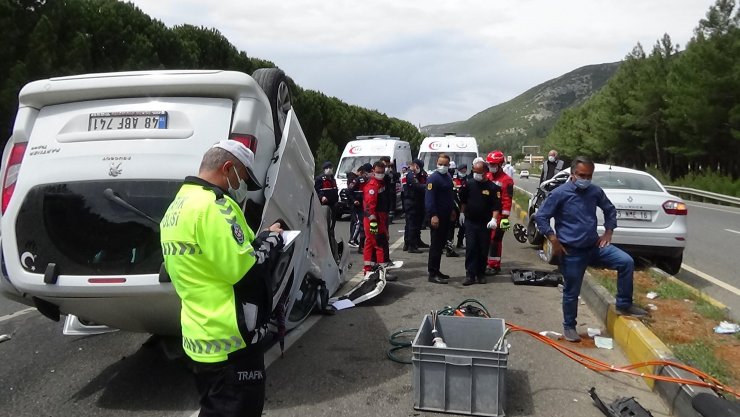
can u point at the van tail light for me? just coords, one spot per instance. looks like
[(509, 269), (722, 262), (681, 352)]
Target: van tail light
[(11, 173), (675, 207), (250, 141)]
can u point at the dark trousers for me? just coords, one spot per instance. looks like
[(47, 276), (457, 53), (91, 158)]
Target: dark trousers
[(461, 233), (234, 388), (356, 228), (414, 219), (477, 240), (385, 243), (437, 243)]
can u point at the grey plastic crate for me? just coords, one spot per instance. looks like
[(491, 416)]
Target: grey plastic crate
[(466, 377)]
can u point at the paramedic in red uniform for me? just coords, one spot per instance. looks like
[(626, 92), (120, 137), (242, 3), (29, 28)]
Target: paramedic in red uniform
[(497, 175), (375, 217)]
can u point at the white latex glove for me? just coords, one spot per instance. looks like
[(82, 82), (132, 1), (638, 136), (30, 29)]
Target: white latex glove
[(462, 219), (491, 224)]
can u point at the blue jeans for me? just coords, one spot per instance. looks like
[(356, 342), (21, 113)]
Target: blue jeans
[(574, 265)]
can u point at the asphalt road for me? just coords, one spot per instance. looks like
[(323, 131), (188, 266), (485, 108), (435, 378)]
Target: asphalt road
[(711, 255), (337, 367)]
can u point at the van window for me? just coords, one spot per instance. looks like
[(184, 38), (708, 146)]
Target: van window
[(351, 163), (430, 159), (77, 226)]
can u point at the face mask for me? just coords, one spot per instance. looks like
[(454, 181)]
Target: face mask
[(328, 171), (551, 158), (582, 184), (442, 169), (493, 168), (239, 194), (463, 173), (477, 176), (379, 176)]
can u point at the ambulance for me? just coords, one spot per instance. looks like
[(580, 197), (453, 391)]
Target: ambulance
[(461, 149), (369, 149)]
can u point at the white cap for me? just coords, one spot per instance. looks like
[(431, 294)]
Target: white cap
[(478, 159), (453, 165), (245, 156)]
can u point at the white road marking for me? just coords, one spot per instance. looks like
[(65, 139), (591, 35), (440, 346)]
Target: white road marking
[(16, 314), (732, 231), (712, 279), (274, 352)]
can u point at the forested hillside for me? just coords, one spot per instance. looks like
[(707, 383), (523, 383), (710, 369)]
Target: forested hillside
[(528, 118), (675, 112), (43, 39)]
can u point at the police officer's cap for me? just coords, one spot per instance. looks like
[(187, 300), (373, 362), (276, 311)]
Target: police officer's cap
[(419, 162), (463, 166), (366, 167), (326, 165), (245, 156)]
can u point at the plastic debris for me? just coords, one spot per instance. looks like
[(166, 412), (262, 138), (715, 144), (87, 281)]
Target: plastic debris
[(542, 255), (593, 332), (652, 307), (552, 335), (725, 327), (4, 338), (652, 295), (604, 342)]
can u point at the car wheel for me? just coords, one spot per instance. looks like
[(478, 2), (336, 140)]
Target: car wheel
[(275, 84), (670, 265), (533, 235)]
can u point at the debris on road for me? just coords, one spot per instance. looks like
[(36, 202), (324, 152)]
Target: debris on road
[(4, 338), (725, 327), (604, 342)]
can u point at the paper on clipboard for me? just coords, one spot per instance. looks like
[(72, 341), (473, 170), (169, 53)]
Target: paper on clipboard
[(289, 237)]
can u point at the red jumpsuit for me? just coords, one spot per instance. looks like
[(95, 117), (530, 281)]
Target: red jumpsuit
[(506, 183), (374, 242)]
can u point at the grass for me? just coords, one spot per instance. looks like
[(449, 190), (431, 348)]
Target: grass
[(710, 311), (605, 280), (522, 199), (700, 355), (669, 289)]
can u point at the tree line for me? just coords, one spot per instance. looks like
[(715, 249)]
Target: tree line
[(45, 39), (671, 111)]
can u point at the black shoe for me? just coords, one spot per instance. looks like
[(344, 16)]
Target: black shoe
[(414, 249), (443, 276), (492, 271), (360, 249), (469, 281), (451, 254), (437, 279), (633, 311), (482, 279), (422, 245)]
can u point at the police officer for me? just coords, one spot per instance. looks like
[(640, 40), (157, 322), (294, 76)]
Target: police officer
[(480, 202), (414, 188), (355, 189), (460, 179), (438, 201), (220, 269), (327, 191)]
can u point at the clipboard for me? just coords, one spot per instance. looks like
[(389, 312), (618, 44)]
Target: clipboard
[(289, 237)]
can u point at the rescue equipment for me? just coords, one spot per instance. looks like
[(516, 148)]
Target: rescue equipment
[(536, 277)]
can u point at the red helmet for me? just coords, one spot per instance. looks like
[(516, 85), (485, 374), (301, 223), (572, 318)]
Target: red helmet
[(495, 157)]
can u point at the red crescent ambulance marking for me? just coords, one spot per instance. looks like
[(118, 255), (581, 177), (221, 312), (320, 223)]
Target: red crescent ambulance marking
[(435, 145), (355, 149)]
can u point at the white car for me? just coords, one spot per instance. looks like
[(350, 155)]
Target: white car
[(524, 174), (95, 160), (651, 223)]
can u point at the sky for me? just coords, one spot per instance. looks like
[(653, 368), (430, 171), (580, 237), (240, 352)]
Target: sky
[(434, 61)]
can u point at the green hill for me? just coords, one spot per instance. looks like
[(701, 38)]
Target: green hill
[(530, 116)]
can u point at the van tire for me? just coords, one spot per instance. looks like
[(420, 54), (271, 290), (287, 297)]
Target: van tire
[(274, 83), (533, 235)]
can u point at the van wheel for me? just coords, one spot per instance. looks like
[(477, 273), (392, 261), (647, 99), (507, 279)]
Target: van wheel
[(671, 265), (275, 84)]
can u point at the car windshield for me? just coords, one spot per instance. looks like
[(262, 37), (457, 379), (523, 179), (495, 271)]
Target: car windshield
[(625, 181), (430, 159), (351, 163)]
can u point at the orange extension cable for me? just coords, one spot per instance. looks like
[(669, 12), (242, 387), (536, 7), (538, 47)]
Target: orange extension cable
[(593, 364)]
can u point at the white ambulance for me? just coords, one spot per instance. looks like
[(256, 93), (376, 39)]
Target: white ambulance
[(461, 149), (369, 149)]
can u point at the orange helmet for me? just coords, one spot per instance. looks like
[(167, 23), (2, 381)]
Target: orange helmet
[(495, 157)]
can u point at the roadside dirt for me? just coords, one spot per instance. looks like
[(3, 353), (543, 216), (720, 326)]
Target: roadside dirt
[(676, 323)]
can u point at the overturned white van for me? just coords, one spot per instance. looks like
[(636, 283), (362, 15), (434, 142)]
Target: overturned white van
[(94, 161)]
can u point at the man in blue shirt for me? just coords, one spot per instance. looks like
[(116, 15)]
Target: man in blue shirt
[(439, 201), (573, 205)]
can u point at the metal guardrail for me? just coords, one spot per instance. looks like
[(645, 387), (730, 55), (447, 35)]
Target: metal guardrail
[(704, 195)]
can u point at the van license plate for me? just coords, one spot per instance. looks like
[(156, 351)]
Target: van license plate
[(127, 120), (633, 215)]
